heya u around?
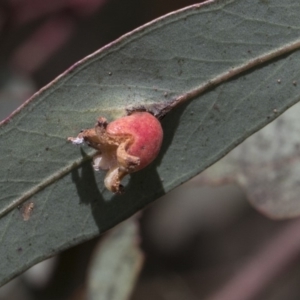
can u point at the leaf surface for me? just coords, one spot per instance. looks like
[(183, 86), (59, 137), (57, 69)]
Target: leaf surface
[(237, 59), (267, 166), (116, 264)]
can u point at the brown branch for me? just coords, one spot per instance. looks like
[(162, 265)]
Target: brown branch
[(263, 268)]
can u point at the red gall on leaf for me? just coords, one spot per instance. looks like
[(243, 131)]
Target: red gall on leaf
[(124, 146)]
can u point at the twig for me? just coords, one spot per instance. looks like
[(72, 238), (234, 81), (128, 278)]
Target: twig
[(264, 267)]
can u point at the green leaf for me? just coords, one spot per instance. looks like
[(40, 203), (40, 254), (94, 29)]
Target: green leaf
[(267, 166), (237, 59), (116, 264)]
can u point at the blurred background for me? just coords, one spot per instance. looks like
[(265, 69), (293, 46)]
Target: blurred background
[(197, 242)]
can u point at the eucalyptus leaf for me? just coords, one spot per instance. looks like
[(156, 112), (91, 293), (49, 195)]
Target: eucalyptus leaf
[(116, 264), (233, 62), (267, 166)]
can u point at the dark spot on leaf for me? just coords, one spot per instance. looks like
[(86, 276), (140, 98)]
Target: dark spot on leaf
[(216, 107)]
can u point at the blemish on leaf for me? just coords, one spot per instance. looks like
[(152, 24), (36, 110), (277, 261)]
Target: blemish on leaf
[(26, 210), (216, 107)]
